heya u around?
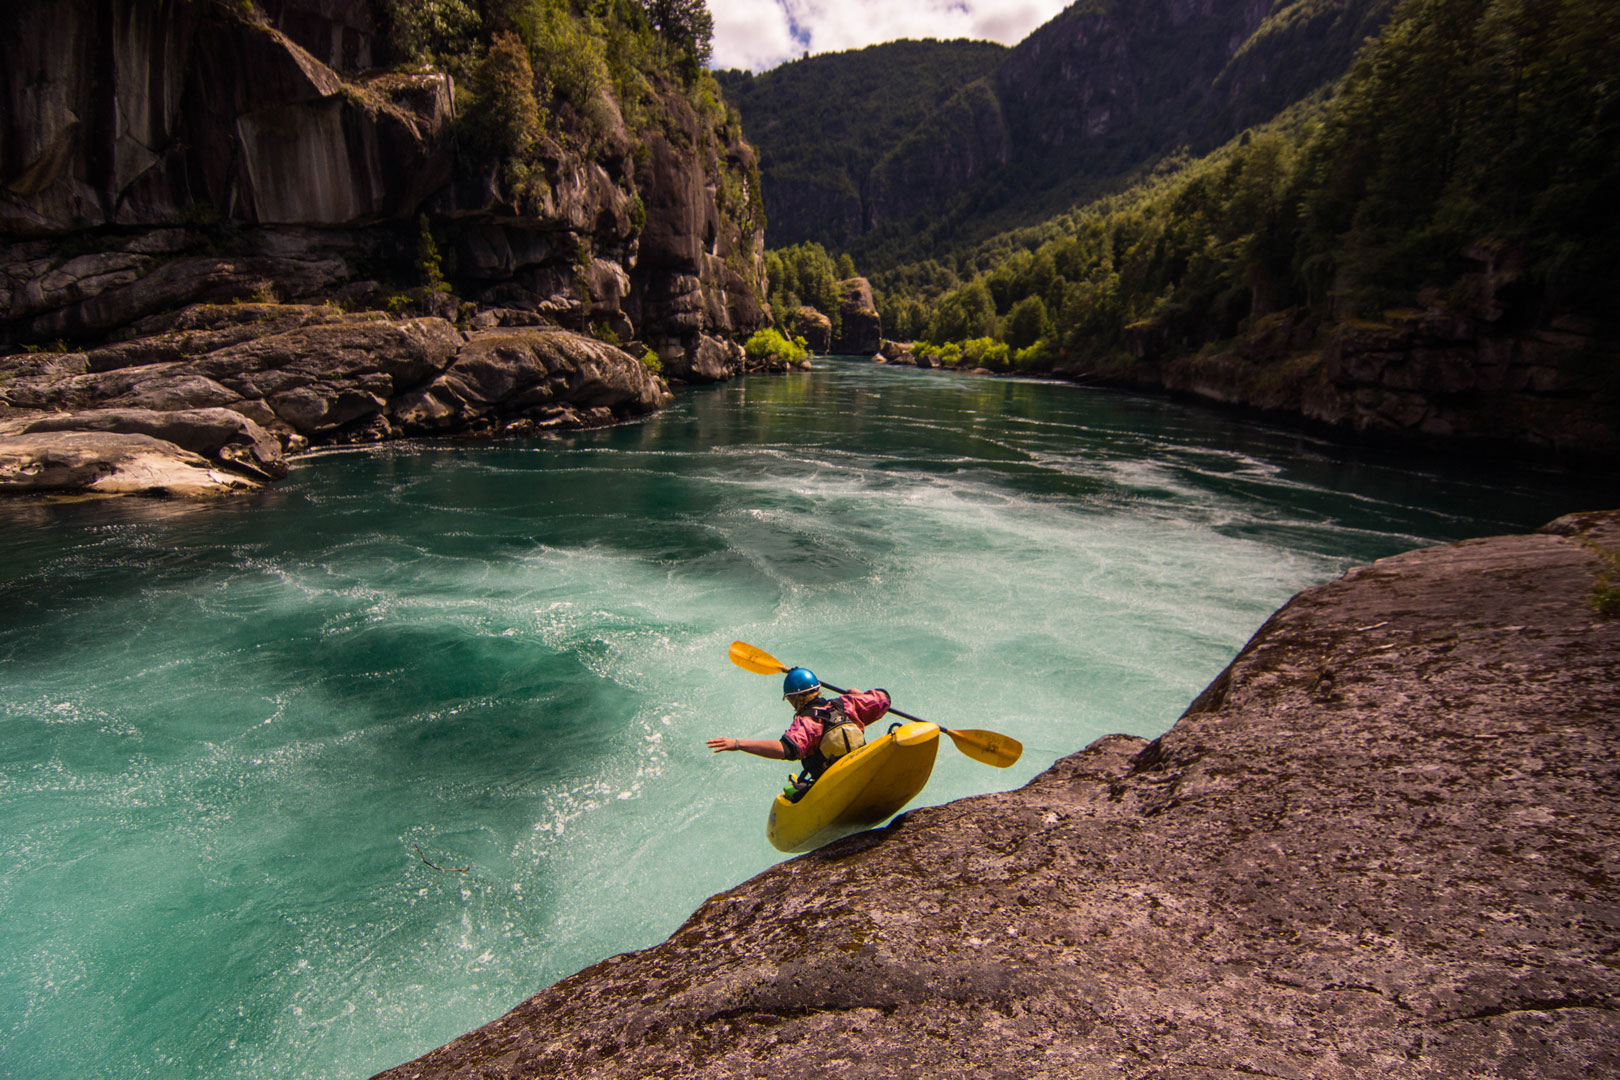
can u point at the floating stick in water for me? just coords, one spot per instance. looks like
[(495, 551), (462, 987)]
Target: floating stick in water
[(441, 869)]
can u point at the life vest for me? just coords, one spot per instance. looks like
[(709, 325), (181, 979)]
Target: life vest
[(840, 734)]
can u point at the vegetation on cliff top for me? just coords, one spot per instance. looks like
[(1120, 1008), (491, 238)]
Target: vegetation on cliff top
[(538, 81), (595, 66), (806, 275)]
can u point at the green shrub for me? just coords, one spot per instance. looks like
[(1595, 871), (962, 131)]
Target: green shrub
[(430, 33), (651, 362), (986, 352), (1041, 356), (572, 58), (769, 344), (1606, 585)]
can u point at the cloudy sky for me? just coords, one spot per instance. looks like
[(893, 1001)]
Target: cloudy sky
[(759, 34)]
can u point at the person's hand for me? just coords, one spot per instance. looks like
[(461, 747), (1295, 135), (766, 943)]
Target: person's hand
[(722, 743)]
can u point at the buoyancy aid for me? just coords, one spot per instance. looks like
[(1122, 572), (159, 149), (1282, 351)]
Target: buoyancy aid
[(840, 734)]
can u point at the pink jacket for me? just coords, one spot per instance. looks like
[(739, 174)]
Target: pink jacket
[(862, 706)]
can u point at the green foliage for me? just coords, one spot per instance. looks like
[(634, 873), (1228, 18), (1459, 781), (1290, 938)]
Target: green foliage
[(1472, 119), (570, 54), (1028, 323), (504, 119), (687, 28), (429, 264), (651, 362), (983, 352), (1043, 355), (593, 67), (770, 345), (969, 312), (805, 275), (1605, 596), (986, 352), (824, 122), (431, 33)]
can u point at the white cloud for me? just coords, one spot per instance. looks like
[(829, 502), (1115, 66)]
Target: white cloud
[(752, 34), (758, 34)]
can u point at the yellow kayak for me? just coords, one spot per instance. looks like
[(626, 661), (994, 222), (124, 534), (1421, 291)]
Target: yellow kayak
[(860, 790)]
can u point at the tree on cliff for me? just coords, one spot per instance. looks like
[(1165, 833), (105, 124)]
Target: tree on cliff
[(434, 33), (504, 117), (806, 274), (686, 25)]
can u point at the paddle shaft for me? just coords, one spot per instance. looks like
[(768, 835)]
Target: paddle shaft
[(897, 712)]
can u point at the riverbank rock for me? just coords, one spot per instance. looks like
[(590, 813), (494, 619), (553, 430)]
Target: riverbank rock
[(860, 329), (1453, 373), (899, 352), (227, 437), (528, 379), (109, 463), (240, 386), (1382, 842), (813, 326)]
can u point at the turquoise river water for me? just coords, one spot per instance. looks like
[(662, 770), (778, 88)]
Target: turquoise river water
[(231, 733)]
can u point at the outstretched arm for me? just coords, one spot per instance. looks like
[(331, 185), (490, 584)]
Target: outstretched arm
[(768, 748)]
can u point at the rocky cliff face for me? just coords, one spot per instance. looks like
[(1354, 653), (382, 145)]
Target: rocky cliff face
[(1455, 374), (1382, 842), (158, 153), (160, 158), (860, 329)]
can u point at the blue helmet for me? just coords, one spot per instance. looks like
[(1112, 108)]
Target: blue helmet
[(800, 680)]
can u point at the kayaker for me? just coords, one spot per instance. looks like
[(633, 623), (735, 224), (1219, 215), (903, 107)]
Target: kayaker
[(822, 730)]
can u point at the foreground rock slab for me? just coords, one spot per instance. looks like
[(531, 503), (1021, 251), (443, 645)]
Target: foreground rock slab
[(1385, 842)]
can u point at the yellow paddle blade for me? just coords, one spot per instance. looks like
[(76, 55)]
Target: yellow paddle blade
[(758, 661), (990, 747)]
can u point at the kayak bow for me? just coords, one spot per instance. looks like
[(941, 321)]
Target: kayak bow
[(861, 789)]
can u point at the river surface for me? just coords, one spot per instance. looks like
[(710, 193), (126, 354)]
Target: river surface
[(233, 736)]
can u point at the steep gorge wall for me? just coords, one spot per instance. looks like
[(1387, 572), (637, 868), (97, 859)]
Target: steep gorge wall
[(160, 152)]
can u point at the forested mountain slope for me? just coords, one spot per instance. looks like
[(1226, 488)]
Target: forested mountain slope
[(1429, 253), (825, 121), (1097, 93)]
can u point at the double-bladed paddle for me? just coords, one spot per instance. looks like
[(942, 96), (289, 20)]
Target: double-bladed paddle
[(990, 747)]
